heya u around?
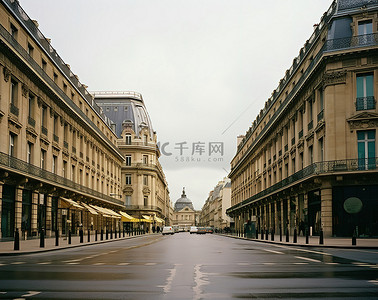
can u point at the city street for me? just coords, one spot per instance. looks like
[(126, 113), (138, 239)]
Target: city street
[(185, 266)]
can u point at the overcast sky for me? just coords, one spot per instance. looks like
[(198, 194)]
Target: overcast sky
[(204, 67)]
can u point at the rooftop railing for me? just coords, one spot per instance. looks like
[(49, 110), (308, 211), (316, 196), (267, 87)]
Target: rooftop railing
[(23, 168), (319, 168)]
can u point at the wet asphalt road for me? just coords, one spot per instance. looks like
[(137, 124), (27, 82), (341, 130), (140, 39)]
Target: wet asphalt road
[(185, 266)]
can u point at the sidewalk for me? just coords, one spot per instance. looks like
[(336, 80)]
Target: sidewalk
[(33, 245), (346, 243)]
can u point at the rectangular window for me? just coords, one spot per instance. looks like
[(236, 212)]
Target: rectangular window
[(145, 139), (310, 155), (128, 160), (128, 200), (12, 144), (65, 169), (128, 139), (13, 31), (43, 159), (145, 159), (365, 91), (14, 92), (321, 149), (145, 201), (145, 179), (29, 153), (54, 164), (31, 106), (30, 50), (366, 149), (44, 65), (128, 179), (365, 27)]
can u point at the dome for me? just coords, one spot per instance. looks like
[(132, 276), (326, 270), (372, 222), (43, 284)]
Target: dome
[(183, 202)]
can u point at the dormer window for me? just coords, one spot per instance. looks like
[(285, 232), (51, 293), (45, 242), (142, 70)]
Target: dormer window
[(128, 139), (365, 27)]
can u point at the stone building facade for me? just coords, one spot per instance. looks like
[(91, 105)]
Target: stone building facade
[(144, 187), (184, 214), (213, 213), (59, 163), (310, 157)]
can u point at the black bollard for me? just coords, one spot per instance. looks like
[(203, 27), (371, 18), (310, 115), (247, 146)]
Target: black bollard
[(89, 235), (280, 234), (102, 235), (287, 234), (107, 234), (81, 234), (354, 238), (56, 238), (69, 237), (321, 237), (123, 232), (257, 234), (295, 239), (272, 235), (111, 233), (115, 233), (266, 234), (96, 235), (307, 237), (262, 234), (16, 240), (42, 239)]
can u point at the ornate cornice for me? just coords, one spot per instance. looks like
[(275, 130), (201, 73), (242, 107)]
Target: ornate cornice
[(363, 120), (333, 78)]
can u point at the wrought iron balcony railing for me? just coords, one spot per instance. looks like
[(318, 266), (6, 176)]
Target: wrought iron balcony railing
[(321, 115), (14, 109), (21, 167), (319, 168), (364, 103), (300, 134), (310, 125), (56, 138), (31, 121), (352, 42), (44, 130)]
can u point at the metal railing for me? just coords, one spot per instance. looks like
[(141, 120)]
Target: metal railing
[(31, 121), (364, 103), (321, 115), (44, 130), (351, 42), (21, 167), (319, 168), (14, 109), (310, 125), (56, 138)]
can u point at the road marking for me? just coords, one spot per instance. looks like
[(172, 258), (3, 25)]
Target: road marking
[(272, 251), (72, 260), (306, 258), (304, 250), (18, 263), (123, 264), (167, 287), (300, 263), (31, 293), (98, 264), (113, 251), (360, 263), (2, 265), (44, 263), (269, 264), (373, 281), (73, 263), (200, 279), (150, 264), (332, 263)]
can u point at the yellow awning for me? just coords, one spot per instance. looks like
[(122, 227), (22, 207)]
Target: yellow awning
[(146, 219), (158, 220), (73, 203), (102, 211), (127, 218), (90, 209)]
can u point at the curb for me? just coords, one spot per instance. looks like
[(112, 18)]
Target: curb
[(42, 250), (300, 245)]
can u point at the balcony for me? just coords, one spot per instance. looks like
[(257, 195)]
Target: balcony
[(73, 150), (365, 103), (321, 116), (56, 138), (14, 109), (44, 130), (315, 169), (286, 147), (293, 141), (31, 121), (310, 125), (352, 42), (300, 134), (23, 168), (65, 144)]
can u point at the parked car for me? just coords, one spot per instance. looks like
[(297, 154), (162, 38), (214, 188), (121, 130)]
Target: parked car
[(168, 230), (209, 230), (193, 229), (201, 230)]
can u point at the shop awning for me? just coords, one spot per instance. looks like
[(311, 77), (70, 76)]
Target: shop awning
[(127, 218), (101, 210), (147, 219), (90, 209), (158, 220), (73, 203)]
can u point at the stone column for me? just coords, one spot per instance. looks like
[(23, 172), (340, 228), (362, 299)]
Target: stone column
[(326, 211), (18, 208), (34, 214), (1, 204), (48, 216)]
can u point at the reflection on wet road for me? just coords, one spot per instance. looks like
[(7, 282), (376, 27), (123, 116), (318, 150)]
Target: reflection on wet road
[(185, 266)]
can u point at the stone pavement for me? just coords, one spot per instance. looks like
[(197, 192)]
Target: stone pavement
[(330, 242), (33, 245)]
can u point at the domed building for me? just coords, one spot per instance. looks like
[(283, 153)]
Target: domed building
[(184, 214)]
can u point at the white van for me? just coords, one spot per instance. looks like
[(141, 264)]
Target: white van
[(168, 230)]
